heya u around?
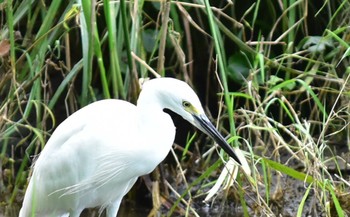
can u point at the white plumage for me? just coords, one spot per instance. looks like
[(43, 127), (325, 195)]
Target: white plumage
[(96, 155)]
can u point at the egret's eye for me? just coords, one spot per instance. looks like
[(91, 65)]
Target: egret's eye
[(186, 104)]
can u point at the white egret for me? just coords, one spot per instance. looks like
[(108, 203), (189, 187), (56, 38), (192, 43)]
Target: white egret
[(95, 156)]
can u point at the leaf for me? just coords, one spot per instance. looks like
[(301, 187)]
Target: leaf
[(346, 54), (288, 84), (289, 171), (274, 80), (302, 203), (238, 68), (149, 37), (4, 47), (316, 44), (336, 202)]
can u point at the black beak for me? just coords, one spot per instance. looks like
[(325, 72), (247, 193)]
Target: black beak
[(207, 127)]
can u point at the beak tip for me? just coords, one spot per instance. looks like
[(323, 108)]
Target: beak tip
[(205, 125), (235, 157)]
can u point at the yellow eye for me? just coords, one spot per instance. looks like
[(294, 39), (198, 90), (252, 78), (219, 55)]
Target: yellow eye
[(186, 104)]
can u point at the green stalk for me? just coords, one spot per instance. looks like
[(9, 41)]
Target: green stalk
[(9, 13), (116, 77), (135, 32), (99, 56), (163, 35), (222, 66), (87, 45), (126, 34)]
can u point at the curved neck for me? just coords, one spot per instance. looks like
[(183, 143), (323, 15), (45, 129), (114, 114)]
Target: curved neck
[(149, 99)]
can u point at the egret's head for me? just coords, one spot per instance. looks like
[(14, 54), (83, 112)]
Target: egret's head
[(180, 98)]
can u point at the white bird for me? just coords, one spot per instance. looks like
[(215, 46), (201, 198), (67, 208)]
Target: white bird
[(95, 156)]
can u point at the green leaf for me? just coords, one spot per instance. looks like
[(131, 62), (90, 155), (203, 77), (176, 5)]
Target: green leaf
[(274, 80), (346, 54), (302, 202), (316, 44), (289, 171), (238, 68), (337, 205), (149, 37)]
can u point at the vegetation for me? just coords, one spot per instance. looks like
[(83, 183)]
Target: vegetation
[(274, 74)]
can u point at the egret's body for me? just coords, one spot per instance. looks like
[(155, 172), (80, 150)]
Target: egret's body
[(96, 155)]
